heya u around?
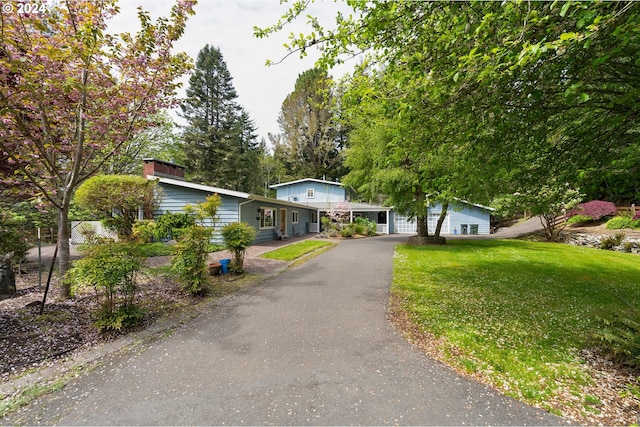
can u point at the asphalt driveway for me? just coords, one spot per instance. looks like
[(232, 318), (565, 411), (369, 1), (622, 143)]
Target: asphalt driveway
[(311, 346)]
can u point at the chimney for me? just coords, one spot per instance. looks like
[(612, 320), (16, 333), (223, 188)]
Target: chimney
[(154, 167)]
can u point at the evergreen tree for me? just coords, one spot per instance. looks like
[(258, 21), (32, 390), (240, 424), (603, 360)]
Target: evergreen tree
[(220, 140), (311, 142)]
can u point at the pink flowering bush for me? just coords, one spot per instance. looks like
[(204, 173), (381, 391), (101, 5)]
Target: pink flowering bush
[(595, 209), (637, 216)]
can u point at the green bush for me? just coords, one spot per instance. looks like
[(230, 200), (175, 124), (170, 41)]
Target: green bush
[(189, 262), (579, 219), (238, 236), (635, 223), (13, 245), (111, 269), (619, 333), (619, 222), (347, 231), (172, 225), (359, 228), (609, 242)]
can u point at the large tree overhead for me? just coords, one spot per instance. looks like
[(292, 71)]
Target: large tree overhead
[(310, 141), (518, 92), (71, 95), (220, 140)]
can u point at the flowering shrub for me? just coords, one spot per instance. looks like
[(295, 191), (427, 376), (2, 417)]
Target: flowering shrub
[(596, 209), (636, 216)]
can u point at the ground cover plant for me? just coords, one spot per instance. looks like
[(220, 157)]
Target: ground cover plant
[(519, 315), (296, 250)]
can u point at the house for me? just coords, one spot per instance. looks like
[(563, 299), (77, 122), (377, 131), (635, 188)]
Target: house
[(264, 213), (322, 196), (462, 217)]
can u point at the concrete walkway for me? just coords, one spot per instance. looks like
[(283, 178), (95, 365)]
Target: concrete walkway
[(311, 346)]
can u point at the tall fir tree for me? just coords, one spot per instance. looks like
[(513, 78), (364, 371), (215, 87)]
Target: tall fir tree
[(219, 140), (310, 144)]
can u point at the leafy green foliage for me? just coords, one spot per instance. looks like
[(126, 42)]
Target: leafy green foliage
[(189, 262), (619, 222), (618, 332), (120, 197), (172, 225), (609, 242), (312, 140), (238, 236), (579, 219), (111, 269), (13, 245)]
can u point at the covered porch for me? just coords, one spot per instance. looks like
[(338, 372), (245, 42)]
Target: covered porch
[(379, 215)]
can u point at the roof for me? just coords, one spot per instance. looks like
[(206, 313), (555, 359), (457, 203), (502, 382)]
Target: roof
[(357, 207), (225, 192), (476, 205), (305, 180)]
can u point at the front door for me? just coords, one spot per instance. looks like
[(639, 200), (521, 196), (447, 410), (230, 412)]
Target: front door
[(283, 221)]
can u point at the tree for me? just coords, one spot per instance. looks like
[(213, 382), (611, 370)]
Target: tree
[(71, 95), (518, 92), (310, 140), (220, 141), (159, 141), (119, 197)]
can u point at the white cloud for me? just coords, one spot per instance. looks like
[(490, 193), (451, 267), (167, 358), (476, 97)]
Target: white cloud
[(228, 25)]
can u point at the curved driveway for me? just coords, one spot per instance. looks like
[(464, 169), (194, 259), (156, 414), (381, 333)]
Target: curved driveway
[(310, 346)]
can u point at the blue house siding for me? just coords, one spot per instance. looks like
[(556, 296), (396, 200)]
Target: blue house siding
[(460, 218), (469, 215), (233, 208), (176, 198), (323, 192)]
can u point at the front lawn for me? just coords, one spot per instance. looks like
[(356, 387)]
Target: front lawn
[(296, 250), (516, 314)]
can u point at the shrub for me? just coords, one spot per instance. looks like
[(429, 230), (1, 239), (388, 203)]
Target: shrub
[(609, 242), (189, 262), (121, 195), (359, 228), (618, 333), (347, 231), (111, 269), (635, 223), (13, 245), (579, 219), (596, 209), (238, 236), (172, 225), (636, 217), (619, 222)]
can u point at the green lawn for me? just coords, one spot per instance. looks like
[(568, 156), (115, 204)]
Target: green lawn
[(296, 250), (514, 312)]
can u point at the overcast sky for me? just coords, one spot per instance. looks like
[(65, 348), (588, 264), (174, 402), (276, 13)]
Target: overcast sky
[(228, 25)]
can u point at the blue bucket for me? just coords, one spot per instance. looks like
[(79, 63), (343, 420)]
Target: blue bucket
[(225, 265)]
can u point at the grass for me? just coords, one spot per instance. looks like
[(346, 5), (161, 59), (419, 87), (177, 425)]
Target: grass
[(296, 250), (514, 312)]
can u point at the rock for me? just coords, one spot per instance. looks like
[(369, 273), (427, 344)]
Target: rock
[(7, 281)]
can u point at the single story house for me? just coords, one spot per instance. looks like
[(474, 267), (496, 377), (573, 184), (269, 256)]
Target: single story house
[(462, 217), (264, 213)]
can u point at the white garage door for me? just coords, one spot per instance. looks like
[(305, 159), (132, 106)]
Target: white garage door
[(403, 225)]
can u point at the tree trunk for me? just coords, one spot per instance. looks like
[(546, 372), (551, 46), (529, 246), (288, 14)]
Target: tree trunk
[(443, 216), (64, 252), (423, 227)]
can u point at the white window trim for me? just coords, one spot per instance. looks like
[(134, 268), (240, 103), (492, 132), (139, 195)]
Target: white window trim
[(273, 217), (295, 217), (311, 193)]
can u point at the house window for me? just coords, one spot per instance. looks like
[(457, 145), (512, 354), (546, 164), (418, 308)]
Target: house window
[(267, 218), (294, 217), (311, 193)]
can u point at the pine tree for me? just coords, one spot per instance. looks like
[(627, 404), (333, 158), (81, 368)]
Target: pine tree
[(219, 139), (310, 144)]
